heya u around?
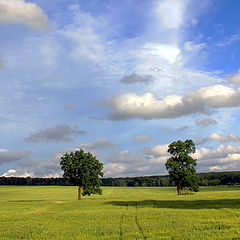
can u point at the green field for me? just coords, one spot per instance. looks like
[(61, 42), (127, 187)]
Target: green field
[(120, 213)]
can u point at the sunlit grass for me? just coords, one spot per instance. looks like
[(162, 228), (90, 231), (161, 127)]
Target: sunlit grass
[(120, 213)]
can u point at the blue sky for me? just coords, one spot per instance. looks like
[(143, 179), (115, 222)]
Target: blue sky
[(121, 79)]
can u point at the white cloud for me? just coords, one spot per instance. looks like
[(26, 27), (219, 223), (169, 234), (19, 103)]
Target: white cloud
[(193, 47), (16, 173), (159, 160), (158, 151), (36, 167), (20, 11), (166, 52), (50, 51), (88, 40), (231, 158), (167, 63), (229, 40), (123, 163), (221, 151), (220, 96), (234, 78), (171, 13), (114, 169), (223, 138), (194, 54), (147, 106), (83, 45), (216, 168), (223, 158)]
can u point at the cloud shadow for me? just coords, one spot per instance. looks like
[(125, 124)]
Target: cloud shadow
[(181, 204)]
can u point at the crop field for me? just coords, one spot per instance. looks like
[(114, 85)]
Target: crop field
[(52, 212)]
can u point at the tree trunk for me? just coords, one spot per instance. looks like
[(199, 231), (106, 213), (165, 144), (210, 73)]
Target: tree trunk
[(178, 190), (80, 193)]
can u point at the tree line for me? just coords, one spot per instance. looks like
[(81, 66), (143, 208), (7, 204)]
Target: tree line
[(204, 179), (84, 170)]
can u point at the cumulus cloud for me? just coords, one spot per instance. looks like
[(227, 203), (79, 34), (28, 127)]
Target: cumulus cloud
[(36, 167), (141, 138), (205, 121), (22, 12), (40, 168), (206, 157), (223, 157), (16, 173), (98, 144), (221, 151), (157, 151), (136, 78), (10, 156), (117, 163), (58, 133), (114, 169), (147, 106), (123, 163), (219, 96), (223, 138), (234, 78)]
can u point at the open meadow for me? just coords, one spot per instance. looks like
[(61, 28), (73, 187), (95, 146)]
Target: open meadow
[(121, 213)]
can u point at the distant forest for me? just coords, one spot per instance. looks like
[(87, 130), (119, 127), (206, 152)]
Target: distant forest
[(205, 179)]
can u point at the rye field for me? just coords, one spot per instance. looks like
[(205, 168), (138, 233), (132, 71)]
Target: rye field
[(121, 213)]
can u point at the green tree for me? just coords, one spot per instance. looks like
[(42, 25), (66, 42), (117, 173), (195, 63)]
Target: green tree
[(82, 169), (181, 166)]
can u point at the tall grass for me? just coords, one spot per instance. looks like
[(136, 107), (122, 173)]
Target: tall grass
[(121, 213)]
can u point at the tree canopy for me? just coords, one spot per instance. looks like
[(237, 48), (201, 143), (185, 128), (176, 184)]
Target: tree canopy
[(84, 170), (181, 166)]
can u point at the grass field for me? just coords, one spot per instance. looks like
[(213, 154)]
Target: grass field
[(52, 212)]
